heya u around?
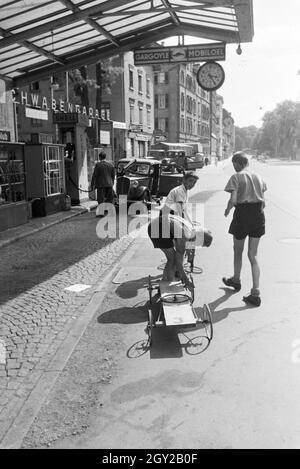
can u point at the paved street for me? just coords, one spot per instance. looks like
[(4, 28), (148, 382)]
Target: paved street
[(36, 311), (240, 392)]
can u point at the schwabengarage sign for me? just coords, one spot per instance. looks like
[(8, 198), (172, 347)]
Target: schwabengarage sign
[(34, 100)]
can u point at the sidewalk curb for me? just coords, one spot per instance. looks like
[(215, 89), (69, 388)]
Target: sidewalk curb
[(79, 211), (17, 432)]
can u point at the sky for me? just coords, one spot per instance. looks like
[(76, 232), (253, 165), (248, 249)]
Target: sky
[(265, 74)]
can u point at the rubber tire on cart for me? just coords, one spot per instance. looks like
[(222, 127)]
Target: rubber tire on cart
[(207, 321), (149, 327)]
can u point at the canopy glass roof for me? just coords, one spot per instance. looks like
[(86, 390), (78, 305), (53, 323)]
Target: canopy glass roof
[(39, 37)]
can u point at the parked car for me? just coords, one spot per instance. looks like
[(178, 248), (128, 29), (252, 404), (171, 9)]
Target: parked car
[(145, 179)]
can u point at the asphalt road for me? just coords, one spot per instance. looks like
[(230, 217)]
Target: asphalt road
[(241, 392)]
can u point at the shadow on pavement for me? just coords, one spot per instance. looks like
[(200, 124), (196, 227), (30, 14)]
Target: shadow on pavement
[(59, 249), (203, 196), (219, 315), (130, 289), (124, 315)]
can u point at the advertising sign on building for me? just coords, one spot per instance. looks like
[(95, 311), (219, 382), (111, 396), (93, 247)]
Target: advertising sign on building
[(193, 53), (105, 137), (36, 113), (119, 125)]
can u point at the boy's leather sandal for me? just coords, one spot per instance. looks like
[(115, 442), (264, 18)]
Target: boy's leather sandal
[(252, 300), (229, 282)]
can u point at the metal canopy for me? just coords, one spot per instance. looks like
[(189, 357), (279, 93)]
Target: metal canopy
[(41, 37)]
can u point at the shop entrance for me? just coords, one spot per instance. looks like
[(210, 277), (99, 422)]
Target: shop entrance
[(72, 134)]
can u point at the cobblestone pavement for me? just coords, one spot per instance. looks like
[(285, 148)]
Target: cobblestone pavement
[(36, 312)]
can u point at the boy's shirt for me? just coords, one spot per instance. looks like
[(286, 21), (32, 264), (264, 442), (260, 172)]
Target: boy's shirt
[(177, 200), (249, 187)]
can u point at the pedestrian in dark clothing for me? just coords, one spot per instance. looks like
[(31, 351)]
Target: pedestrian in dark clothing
[(103, 179)]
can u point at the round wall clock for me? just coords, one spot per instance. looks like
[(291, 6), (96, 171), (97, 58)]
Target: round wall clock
[(210, 76)]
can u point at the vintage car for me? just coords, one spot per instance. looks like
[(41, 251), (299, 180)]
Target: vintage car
[(145, 179)]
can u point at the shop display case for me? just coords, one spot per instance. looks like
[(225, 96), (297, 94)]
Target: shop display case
[(13, 204), (12, 173), (44, 165)]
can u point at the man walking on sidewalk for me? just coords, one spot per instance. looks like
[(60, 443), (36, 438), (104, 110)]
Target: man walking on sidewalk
[(103, 179), (247, 196)]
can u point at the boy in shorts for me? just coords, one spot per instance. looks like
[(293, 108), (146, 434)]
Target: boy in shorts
[(173, 234), (247, 197)]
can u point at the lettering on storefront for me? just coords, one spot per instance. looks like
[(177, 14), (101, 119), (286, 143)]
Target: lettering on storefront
[(34, 100), (193, 53)]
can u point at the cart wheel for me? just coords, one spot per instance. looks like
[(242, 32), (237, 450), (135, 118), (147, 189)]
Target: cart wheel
[(150, 288), (193, 289), (150, 326), (207, 321)]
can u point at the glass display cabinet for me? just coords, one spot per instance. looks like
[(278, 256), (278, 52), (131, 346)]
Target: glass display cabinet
[(44, 165), (12, 173), (13, 204)]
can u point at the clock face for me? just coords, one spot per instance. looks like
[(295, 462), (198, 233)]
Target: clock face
[(210, 76)]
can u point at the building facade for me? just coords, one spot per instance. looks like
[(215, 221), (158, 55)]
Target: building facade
[(131, 108), (182, 109)]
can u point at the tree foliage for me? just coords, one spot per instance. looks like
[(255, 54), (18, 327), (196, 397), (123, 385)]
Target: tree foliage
[(280, 130), (244, 137), (278, 134), (105, 75)]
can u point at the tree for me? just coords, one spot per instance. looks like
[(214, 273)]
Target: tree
[(244, 137), (83, 80), (280, 130)]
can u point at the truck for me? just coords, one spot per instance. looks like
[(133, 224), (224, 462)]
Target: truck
[(186, 155)]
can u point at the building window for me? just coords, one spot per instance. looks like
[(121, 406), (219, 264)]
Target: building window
[(36, 123), (149, 116), (132, 146), (34, 86), (162, 124), (131, 79), (182, 124), (162, 101), (161, 78), (140, 114), (182, 101), (194, 106), (148, 87), (182, 77), (189, 104), (140, 83), (199, 109), (131, 112)]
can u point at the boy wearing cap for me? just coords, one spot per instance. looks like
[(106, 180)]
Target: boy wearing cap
[(247, 197)]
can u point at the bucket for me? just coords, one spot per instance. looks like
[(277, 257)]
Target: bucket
[(67, 202)]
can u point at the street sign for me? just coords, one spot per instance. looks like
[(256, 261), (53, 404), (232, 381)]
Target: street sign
[(193, 53)]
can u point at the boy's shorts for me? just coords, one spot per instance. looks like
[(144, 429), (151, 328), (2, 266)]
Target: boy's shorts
[(156, 235), (248, 220)]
